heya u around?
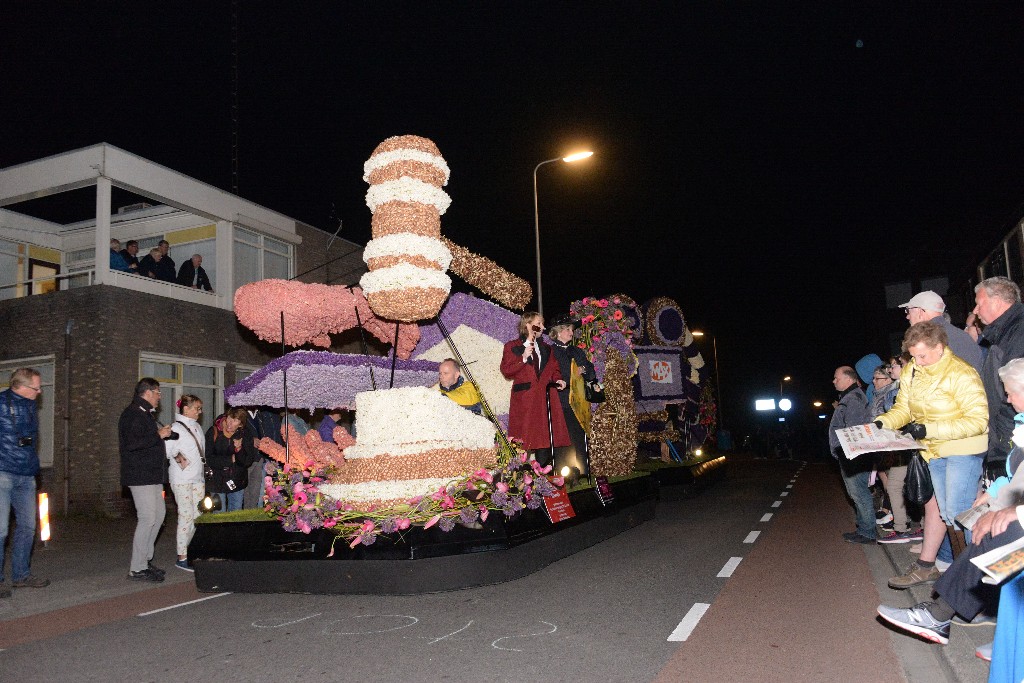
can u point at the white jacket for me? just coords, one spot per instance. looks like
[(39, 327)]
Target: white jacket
[(186, 445)]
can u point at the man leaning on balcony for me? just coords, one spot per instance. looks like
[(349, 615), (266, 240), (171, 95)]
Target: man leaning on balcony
[(117, 261)]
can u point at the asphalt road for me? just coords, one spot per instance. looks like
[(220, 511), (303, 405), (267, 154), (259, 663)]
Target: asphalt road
[(603, 614)]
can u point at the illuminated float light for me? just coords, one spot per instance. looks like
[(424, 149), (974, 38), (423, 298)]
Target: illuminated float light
[(209, 504), (782, 419), (698, 452), (785, 404), (44, 517), (764, 404), (822, 417)]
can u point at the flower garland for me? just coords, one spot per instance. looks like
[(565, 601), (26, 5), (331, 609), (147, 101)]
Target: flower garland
[(404, 275), (604, 326), (707, 410), (406, 245), (298, 498), (381, 159)]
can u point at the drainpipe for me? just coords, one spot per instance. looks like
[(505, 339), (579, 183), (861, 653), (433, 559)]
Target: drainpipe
[(67, 416)]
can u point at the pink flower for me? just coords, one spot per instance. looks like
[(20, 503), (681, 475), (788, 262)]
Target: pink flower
[(448, 503), (558, 481), (617, 300), (300, 498), (527, 479), (484, 474), (328, 523), (603, 303), (483, 513), (403, 523), (303, 525), (586, 300), (433, 520), (617, 315), (587, 319), (502, 486), (366, 527)]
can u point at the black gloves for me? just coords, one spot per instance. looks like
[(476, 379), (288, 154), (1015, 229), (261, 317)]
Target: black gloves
[(878, 423), (914, 429)]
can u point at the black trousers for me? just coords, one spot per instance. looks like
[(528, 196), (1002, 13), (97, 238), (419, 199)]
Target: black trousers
[(961, 585)]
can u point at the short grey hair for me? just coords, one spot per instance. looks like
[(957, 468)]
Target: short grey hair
[(1000, 287), (1012, 374)]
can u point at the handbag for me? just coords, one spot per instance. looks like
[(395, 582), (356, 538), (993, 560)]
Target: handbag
[(207, 470), (917, 487)]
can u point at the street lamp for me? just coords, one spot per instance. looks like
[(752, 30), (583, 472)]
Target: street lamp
[(536, 218), (718, 379), (784, 379)]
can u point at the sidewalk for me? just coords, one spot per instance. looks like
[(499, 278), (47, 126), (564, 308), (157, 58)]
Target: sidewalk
[(87, 564)]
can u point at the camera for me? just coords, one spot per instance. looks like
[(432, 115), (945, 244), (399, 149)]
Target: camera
[(25, 441), (173, 436)]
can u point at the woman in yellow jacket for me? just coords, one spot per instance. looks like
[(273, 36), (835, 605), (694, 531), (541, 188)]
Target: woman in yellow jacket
[(942, 404)]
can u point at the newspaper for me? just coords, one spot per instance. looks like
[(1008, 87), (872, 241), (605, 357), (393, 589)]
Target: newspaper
[(969, 517), (861, 439), (1001, 563)]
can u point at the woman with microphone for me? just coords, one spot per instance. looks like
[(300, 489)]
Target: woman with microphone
[(529, 363)]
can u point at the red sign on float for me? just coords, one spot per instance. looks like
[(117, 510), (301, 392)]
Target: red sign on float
[(661, 372), (558, 506)]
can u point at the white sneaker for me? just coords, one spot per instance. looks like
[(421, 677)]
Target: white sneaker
[(942, 565)]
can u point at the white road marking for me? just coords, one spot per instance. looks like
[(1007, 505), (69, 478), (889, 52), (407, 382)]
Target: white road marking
[(752, 536), (278, 622), (435, 640), (789, 486), (689, 622), (784, 493), (766, 517), (182, 604), (776, 503), (495, 645), (729, 567)]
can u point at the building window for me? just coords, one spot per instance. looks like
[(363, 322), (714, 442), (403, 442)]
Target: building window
[(44, 365), (178, 376), (258, 257), (10, 270)]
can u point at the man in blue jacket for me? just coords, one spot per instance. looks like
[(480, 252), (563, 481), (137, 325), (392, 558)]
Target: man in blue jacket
[(19, 464)]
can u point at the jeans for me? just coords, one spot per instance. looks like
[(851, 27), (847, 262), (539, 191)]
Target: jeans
[(17, 491), (863, 503), (955, 480), (231, 501)]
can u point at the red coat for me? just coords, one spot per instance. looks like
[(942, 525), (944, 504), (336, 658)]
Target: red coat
[(528, 412)]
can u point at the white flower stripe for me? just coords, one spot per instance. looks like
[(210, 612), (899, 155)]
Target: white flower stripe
[(408, 244), (407, 190), (383, 490), (385, 158), (418, 417), (403, 275)]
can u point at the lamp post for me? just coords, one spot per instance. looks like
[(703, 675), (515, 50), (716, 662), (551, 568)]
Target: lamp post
[(784, 379), (536, 218), (718, 379)]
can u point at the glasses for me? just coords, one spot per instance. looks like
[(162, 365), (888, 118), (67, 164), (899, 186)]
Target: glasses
[(38, 389), (878, 379)]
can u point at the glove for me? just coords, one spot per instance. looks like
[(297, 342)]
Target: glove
[(914, 429), (878, 423)]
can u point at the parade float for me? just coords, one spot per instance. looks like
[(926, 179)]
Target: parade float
[(424, 493)]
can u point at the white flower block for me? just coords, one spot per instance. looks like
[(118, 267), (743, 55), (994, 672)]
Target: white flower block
[(415, 419)]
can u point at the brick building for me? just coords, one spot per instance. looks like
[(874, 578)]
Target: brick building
[(93, 332)]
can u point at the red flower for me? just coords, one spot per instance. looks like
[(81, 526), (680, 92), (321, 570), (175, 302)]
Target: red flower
[(617, 315)]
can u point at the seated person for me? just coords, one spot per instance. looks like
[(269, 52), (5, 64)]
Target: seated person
[(454, 386), (959, 589)]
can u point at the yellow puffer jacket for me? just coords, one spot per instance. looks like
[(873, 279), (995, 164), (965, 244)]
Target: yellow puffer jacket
[(948, 398)]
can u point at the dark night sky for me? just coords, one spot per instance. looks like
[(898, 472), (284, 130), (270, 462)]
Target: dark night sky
[(751, 161)]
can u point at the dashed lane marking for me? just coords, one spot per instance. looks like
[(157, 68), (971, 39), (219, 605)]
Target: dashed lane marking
[(729, 567), (689, 622), (766, 517), (776, 503), (752, 536)]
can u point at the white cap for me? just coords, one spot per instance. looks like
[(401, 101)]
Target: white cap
[(926, 300)]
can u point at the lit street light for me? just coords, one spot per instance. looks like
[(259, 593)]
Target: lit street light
[(784, 379), (536, 218)]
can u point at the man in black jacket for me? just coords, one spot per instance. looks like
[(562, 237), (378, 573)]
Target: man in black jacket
[(165, 269), (853, 409), (998, 305), (144, 471), (193, 275)]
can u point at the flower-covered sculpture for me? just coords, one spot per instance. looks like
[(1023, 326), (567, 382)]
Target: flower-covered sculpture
[(614, 427)]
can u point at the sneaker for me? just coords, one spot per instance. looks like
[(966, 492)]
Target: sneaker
[(888, 527), (916, 548), (850, 534), (918, 620), (5, 590), (146, 575), (915, 576), (863, 540), (984, 652), (883, 516), (31, 582), (155, 569), (902, 537), (183, 564)]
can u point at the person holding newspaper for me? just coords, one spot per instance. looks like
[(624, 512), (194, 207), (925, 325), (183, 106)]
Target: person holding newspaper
[(853, 409), (941, 403), (960, 590)]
